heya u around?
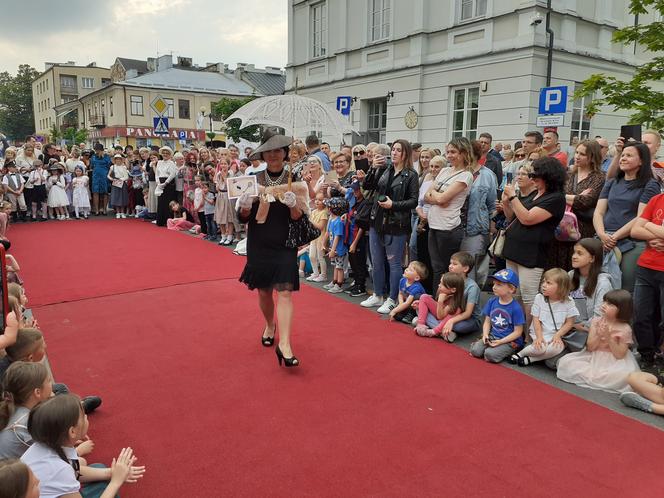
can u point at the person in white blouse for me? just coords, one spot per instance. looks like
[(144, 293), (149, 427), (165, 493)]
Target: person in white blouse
[(165, 174), (118, 175)]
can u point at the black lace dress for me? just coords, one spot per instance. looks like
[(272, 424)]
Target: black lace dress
[(270, 264)]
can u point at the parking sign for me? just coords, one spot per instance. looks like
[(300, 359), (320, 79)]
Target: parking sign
[(343, 105), (553, 100)]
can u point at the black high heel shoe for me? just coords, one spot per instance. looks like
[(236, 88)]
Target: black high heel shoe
[(289, 362), (268, 341)]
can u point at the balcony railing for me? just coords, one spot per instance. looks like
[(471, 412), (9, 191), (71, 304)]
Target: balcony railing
[(97, 120)]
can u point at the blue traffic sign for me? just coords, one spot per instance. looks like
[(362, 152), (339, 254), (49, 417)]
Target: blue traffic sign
[(343, 105), (182, 135), (160, 125), (553, 100)]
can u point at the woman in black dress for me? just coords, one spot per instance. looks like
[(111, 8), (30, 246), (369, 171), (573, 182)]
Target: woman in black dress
[(271, 266)]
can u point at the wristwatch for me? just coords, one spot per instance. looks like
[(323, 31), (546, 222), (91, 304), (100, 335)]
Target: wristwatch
[(510, 199)]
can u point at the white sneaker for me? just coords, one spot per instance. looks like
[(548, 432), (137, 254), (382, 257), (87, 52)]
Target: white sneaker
[(335, 289), (372, 301), (154, 222), (117, 216), (329, 285), (387, 306), (320, 278), (313, 277), (124, 216)]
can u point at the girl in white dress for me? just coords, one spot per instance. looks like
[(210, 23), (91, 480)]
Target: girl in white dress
[(81, 196), (553, 316), (57, 197), (607, 361)]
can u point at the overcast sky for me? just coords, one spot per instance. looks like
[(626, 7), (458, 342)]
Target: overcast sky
[(229, 31)]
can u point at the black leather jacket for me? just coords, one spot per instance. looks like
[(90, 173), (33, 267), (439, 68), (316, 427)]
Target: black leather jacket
[(403, 189)]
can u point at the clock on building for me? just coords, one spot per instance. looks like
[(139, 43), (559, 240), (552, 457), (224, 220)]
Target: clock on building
[(411, 118)]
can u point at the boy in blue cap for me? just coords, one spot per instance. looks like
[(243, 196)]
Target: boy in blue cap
[(502, 332)]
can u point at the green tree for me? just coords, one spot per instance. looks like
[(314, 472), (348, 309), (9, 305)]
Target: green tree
[(636, 95), (54, 134), (75, 136), (16, 115), (224, 108)]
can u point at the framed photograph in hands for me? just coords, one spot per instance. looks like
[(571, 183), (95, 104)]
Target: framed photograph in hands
[(238, 185)]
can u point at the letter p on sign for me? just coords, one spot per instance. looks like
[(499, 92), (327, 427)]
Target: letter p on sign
[(553, 100)]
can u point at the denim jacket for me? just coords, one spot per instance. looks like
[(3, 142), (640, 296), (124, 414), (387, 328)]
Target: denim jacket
[(481, 202)]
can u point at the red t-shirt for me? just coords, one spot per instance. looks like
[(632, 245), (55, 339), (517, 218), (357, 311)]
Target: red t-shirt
[(562, 157), (654, 212)]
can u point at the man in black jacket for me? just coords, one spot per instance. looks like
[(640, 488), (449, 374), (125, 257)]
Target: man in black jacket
[(488, 159)]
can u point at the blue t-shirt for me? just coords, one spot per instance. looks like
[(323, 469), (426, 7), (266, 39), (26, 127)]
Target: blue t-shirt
[(623, 201), (415, 289), (504, 317), (336, 227)]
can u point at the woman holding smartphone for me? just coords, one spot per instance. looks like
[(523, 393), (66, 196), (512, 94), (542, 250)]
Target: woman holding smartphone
[(396, 190)]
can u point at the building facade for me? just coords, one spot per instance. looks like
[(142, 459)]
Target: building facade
[(61, 83), (122, 113), (428, 70)]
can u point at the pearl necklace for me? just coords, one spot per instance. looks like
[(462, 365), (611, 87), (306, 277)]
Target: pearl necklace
[(269, 182)]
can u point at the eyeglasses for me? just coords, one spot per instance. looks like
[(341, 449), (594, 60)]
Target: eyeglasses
[(359, 153), (534, 175)]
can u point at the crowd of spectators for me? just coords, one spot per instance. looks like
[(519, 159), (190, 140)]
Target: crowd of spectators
[(569, 242)]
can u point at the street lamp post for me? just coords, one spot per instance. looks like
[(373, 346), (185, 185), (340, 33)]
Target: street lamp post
[(211, 133)]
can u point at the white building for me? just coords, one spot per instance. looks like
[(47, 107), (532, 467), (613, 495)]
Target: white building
[(460, 66)]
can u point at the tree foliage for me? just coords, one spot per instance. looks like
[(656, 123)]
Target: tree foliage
[(224, 108), (16, 114), (75, 136), (636, 95)]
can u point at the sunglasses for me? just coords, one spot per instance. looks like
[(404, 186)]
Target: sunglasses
[(532, 176), (359, 153), (520, 156)]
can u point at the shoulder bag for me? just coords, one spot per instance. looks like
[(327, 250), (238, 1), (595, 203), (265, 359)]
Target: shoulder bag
[(574, 340), (301, 232), (568, 228)]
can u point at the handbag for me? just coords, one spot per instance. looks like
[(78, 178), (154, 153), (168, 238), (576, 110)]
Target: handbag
[(116, 181), (497, 245), (574, 340), (568, 228), (301, 232), (495, 249)]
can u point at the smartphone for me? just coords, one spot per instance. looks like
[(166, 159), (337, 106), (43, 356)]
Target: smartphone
[(631, 132), (509, 176), (362, 164), (331, 176), (382, 198)]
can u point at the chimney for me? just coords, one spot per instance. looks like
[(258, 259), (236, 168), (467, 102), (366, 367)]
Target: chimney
[(273, 70), (92, 64), (164, 62), (152, 64)]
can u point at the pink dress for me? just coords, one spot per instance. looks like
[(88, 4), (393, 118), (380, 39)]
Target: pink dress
[(187, 197), (599, 369)]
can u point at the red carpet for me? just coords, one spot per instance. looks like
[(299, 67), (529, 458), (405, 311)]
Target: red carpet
[(66, 261), (373, 411)]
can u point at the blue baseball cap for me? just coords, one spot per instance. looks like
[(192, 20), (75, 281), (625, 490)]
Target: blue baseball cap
[(507, 276)]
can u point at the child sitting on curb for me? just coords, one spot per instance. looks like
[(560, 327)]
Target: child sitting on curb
[(448, 305), (410, 289), (502, 332)]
